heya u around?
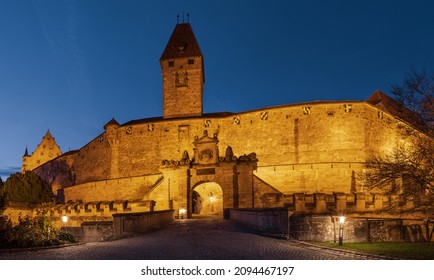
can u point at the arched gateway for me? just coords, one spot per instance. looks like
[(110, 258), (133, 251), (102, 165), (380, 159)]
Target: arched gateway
[(207, 200), (209, 183)]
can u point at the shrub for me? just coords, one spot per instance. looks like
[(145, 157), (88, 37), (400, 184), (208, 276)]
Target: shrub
[(30, 232)]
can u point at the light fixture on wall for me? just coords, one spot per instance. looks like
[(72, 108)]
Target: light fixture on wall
[(182, 212)]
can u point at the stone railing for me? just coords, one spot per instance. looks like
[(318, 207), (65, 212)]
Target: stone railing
[(269, 221), (134, 223)]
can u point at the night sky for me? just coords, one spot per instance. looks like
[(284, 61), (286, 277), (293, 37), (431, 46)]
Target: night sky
[(71, 66)]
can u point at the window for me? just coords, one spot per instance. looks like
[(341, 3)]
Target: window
[(191, 61), (171, 63)]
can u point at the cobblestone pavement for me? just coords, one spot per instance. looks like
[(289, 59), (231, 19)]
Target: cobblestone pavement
[(197, 239)]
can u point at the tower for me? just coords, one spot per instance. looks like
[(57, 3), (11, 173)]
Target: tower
[(46, 151), (183, 74)]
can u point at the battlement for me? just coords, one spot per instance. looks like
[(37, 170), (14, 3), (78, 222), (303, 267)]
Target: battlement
[(79, 212), (319, 203)]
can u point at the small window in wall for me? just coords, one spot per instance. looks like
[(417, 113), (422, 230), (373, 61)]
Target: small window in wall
[(191, 61), (380, 114), (171, 63)]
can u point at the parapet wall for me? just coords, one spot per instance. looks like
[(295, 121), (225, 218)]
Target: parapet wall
[(133, 223), (273, 221), (327, 203), (280, 222), (79, 212), (359, 229)]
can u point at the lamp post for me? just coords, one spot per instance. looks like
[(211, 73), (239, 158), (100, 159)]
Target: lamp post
[(341, 229), (65, 221), (212, 199)]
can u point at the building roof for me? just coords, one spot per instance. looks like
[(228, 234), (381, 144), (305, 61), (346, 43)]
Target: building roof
[(182, 43), (384, 102), (388, 104), (111, 122)]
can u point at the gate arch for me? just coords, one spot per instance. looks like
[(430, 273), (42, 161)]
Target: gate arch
[(207, 200)]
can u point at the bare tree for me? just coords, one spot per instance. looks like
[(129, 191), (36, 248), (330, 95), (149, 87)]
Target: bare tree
[(415, 100), (406, 172)]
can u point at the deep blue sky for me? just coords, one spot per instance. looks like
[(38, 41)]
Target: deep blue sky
[(70, 66)]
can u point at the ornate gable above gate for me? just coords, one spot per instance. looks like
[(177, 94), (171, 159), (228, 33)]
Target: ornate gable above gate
[(206, 150)]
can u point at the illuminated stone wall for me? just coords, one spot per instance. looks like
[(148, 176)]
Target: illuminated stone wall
[(311, 147)]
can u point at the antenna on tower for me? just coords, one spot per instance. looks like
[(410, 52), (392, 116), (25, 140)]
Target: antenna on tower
[(188, 17), (183, 17), (177, 19)]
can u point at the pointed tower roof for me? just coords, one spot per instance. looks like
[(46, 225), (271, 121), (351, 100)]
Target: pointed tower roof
[(182, 43), (111, 122), (48, 135), (26, 153)]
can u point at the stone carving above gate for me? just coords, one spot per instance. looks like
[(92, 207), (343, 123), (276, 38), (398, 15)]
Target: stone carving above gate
[(206, 152), (206, 149)]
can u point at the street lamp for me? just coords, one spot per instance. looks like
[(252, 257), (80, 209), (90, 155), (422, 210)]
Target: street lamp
[(341, 229), (65, 221), (212, 199)]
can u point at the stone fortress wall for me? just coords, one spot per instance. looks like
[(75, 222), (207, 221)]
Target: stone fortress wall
[(311, 148)]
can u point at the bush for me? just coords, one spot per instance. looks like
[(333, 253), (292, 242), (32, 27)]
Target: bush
[(66, 237), (36, 232)]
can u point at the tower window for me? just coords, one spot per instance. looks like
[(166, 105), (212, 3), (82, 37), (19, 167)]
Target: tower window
[(191, 61), (171, 63)]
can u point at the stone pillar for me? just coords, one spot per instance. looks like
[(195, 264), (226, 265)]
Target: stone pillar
[(245, 185), (378, 201), (341, 202), (360, 202), (300, 202)]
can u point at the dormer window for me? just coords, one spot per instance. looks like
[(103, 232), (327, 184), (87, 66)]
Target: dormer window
[(182, 48)]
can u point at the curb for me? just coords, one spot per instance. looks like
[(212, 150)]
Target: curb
[(380, 257), (40, 248)]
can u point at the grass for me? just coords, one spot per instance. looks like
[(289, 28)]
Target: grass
[(407, 251)]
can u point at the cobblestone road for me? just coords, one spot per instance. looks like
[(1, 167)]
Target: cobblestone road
[(201, 239)]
